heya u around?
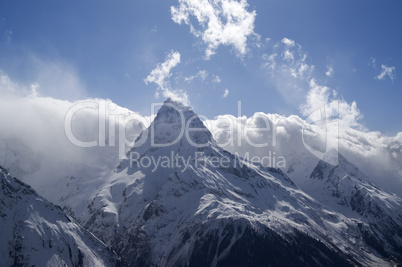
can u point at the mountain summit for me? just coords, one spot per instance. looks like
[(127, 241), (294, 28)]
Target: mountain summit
[(347, 190), (176, 123)]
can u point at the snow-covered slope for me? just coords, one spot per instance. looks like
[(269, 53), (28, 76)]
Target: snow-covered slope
[(15, 155), (181, 200), (41, 152), (339, 184), (35, 232)]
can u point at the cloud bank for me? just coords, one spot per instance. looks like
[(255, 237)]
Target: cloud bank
[(34, 143), (36, 147), (276, 137)]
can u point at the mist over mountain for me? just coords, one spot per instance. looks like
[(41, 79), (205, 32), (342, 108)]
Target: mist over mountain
[(39, 124), (180, 199), (172, 180), (200, 133)]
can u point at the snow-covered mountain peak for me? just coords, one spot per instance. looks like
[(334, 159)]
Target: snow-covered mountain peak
[(332, 157), (177, 129), (34, 232), (336, 166), (171, 106), (346, 189), (175, 121)]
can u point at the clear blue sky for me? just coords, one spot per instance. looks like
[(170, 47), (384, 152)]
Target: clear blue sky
[(112, 46)]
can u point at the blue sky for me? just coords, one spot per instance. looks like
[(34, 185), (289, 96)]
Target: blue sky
[(107, 49)]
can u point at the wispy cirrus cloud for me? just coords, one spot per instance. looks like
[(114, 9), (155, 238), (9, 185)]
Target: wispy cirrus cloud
[(372, 62), (160, 76), (161, 72), (216, 79), (288, 68), (386, 71), (330, 71), (219, 22), (294, 77), (225, 93), (202, 74), (288, 42)]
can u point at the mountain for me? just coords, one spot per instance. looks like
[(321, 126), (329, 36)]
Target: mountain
[(62, 172), (17, 156), (34, 232), (340, 185), (181, 200)]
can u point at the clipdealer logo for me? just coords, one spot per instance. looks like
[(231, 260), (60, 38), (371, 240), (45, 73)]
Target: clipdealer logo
[(112, 127), (175, 161)]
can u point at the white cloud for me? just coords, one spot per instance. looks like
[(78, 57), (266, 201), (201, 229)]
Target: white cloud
[(160, 75), (288, 70), (275, 136), (7, 86), (269, 62), (216, 79), (39, 123), (202, 74), (372, 62), (162, 71), (293, 77), (220, 22), (322, 97), (225, 94), (330, 71), (316, 98), (386, 71), (288, 42), (288, 55)]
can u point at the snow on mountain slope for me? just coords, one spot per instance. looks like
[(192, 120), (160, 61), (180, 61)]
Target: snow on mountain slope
[(344, 188), (291, 137), (16, 155), (67, 183), (181, 200), (36, 145), (35, 232)]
